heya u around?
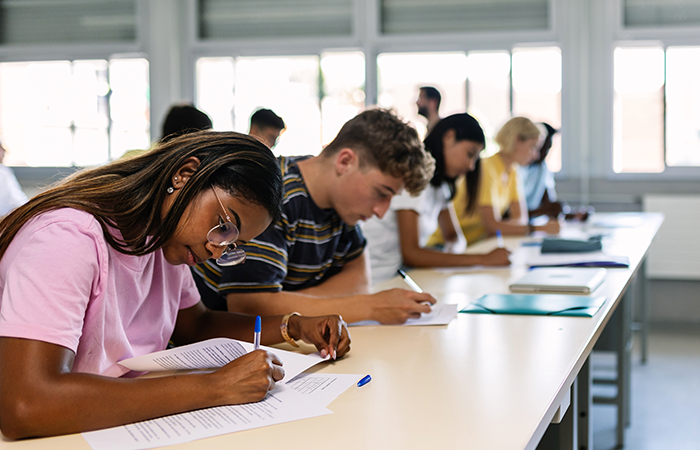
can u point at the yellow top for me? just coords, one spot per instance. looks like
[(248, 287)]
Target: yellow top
[(498, 188)]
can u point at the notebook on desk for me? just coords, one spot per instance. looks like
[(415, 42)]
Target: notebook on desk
[(534, 304), (561, 280)]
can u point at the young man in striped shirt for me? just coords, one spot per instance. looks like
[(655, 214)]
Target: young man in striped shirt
[(314, 260)]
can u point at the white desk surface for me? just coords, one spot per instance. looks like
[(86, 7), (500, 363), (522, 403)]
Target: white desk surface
[(481, 382)]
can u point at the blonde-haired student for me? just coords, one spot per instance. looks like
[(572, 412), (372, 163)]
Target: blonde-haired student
[(501, 204)]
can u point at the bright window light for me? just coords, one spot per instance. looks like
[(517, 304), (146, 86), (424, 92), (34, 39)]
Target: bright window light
[(63, 113), (638, 110), (400, 76), (230, 90), (537, 92), (682, 106), (289, 87), (343, 90), (489, 92)]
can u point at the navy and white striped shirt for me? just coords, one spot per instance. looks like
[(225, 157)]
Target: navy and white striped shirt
[(307, 246)]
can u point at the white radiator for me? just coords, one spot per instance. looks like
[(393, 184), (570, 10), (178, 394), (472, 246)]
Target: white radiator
[(675, 253)]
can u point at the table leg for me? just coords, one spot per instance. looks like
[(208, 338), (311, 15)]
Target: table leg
[(584, 405), (645, 309), (568, 428)]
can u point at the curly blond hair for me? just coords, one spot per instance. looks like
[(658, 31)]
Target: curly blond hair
[(384, 141)]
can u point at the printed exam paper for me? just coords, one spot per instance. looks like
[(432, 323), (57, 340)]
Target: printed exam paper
[(282, 404)]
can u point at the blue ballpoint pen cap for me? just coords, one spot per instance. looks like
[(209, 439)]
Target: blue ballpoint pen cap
[(364, 381), (258, 325)]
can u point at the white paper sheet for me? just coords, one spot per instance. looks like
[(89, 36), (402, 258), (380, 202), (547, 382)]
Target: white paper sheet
[(323, 388), (215, 353), (468, 269), (441, 314), (282, 404)]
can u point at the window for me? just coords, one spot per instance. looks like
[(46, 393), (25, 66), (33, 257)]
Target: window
[(230, 90), (682, 106), (656, 115), (401, 75), (63, 113), (656, 110), (537, 92), (492, 86)]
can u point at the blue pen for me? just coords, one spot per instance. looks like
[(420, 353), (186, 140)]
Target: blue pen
[(364, 381), (499, 238), (258, 329)]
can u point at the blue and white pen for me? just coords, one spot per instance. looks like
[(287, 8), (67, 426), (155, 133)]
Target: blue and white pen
[(258, 329), (409, 281), (499, 238)]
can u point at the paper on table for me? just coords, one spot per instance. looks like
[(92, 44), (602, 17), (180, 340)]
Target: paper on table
[(322, 388), (592, 259), (215, 353), (468, 269), (281, 405), (619, 220), (441, 314)]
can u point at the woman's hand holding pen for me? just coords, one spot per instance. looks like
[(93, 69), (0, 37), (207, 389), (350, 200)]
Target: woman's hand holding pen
[(328, 333), (396, 306), (497, 257), (248, 378)]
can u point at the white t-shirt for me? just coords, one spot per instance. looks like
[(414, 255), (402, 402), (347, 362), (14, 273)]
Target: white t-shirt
[(383, 235), (11, 195)]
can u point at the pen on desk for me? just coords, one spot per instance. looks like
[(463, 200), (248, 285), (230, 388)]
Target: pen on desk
[(499, 238), (364, 381), (258, 329), (409, 281)]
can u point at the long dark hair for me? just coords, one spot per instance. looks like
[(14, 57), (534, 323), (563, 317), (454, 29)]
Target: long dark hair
[(466, 128), (128, 194)]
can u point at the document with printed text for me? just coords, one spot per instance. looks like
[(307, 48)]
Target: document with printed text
[(282, 404), (215, 353), (322, 388)]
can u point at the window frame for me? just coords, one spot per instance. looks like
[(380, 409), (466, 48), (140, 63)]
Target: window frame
[(46, 52), (367, 38), (664, 37)]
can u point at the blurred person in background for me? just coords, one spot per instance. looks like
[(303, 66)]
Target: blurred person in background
[(266, 126), (182, 118), (11, 195), (428, 104), (500, 201), (538, 183)]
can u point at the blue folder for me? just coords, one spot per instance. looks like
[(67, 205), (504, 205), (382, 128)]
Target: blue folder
[(536, 304)]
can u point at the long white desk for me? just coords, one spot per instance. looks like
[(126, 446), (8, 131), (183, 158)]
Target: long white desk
[(481, 382)]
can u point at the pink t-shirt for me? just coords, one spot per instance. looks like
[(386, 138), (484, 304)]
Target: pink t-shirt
[(62, 283)]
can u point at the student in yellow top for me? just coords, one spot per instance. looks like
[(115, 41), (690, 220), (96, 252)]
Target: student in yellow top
[(499, 191)]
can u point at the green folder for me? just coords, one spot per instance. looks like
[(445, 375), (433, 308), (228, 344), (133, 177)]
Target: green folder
[(536, 304)]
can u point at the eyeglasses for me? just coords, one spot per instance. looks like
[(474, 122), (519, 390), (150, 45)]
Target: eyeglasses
[(226, 234)]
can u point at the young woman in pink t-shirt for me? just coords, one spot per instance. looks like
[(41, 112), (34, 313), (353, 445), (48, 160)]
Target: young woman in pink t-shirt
[(93, 271)]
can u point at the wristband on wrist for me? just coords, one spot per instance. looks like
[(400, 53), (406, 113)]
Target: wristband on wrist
[(284, 329)]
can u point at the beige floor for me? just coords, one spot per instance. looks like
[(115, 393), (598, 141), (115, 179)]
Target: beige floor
[(665, 394)]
